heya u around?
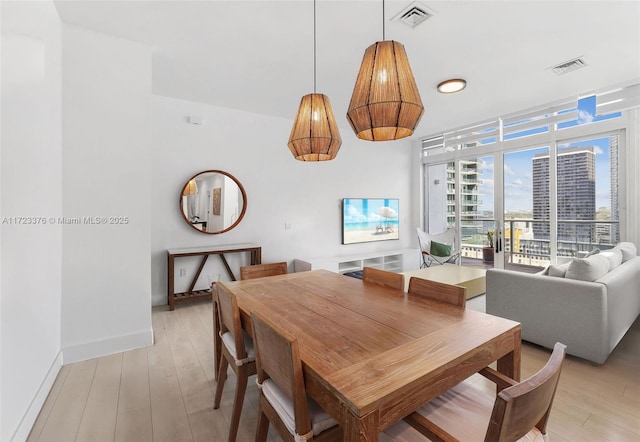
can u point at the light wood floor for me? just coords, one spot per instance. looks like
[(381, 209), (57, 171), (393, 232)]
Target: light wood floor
[(165, 392)]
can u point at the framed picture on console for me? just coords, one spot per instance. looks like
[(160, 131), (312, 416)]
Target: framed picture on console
[(370, 219)]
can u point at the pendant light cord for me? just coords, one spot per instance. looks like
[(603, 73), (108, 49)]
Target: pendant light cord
[(383, 37)]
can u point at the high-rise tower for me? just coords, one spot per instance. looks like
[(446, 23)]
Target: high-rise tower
[(576, 194)]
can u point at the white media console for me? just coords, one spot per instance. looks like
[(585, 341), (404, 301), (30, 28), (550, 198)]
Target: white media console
[(391, 260)]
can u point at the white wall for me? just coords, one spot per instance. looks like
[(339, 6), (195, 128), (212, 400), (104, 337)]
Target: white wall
[(31, 186), (106, 116), (279, 189)]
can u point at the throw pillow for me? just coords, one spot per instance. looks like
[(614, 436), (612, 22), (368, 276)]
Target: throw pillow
[(544, 272), (439, 249), (588, 269), (558, 271), (593, 252), (629, 251), (614, 256)]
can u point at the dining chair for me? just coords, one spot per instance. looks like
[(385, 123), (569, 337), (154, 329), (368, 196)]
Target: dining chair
[(262, 270), (283, 398), (439, 291), (237, 351), (383, 277), (519, 412)]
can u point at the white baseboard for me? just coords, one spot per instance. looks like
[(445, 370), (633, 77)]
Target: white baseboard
[(95, 349), (69, 355), (26, 423)]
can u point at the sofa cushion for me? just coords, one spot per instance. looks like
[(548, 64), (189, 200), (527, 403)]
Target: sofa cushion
[(614, 256), (629, 251), (558, 270), (595, 251), (588, 269)]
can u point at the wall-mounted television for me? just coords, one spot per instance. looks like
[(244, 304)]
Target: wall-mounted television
[(370, 219)]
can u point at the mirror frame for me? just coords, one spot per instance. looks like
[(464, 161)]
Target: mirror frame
[(222, 172)]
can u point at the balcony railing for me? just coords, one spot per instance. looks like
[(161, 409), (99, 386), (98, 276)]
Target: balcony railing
[(526, 241)]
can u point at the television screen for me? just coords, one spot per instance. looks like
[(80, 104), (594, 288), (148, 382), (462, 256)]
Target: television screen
[(369, 219)]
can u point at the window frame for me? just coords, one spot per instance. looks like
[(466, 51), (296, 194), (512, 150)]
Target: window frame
[(619, 126)]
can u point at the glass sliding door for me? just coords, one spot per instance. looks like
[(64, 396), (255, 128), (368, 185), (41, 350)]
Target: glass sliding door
[(460, 196), (527, 194), (475, 182)]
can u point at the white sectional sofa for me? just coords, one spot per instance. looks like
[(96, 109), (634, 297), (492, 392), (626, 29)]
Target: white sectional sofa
[(590, 316)]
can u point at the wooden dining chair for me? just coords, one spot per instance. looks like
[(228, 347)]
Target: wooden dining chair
[(453, 294), (519, 412), (237, 352), (383, 277), (283, 398), (262, 270)]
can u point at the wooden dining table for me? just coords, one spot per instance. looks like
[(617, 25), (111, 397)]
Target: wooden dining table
[(371, 355)]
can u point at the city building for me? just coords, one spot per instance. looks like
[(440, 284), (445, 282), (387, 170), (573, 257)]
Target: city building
[(615, 186), (576, 195)]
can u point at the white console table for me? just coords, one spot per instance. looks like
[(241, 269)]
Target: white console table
[(392, 260)]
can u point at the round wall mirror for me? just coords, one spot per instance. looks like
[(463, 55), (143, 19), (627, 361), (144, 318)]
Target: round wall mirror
[(213, 201)]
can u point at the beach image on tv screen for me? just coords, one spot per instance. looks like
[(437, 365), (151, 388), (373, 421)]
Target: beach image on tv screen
[(369, 219)]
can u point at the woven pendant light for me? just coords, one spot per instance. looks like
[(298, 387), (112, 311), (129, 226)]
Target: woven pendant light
[(386, 103), (191, 188), (315, 135)]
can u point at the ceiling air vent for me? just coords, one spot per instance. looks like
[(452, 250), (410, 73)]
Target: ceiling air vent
[(568, 66), (413, 14)]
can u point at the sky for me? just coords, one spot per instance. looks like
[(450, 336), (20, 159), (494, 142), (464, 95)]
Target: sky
[(362, 210), (518, 166)]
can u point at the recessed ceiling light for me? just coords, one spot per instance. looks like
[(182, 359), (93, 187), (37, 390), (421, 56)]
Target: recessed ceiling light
[(452, 86)]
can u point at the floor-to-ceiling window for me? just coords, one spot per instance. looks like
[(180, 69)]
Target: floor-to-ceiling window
[(587, 194), (526, 206), (552, 175)]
